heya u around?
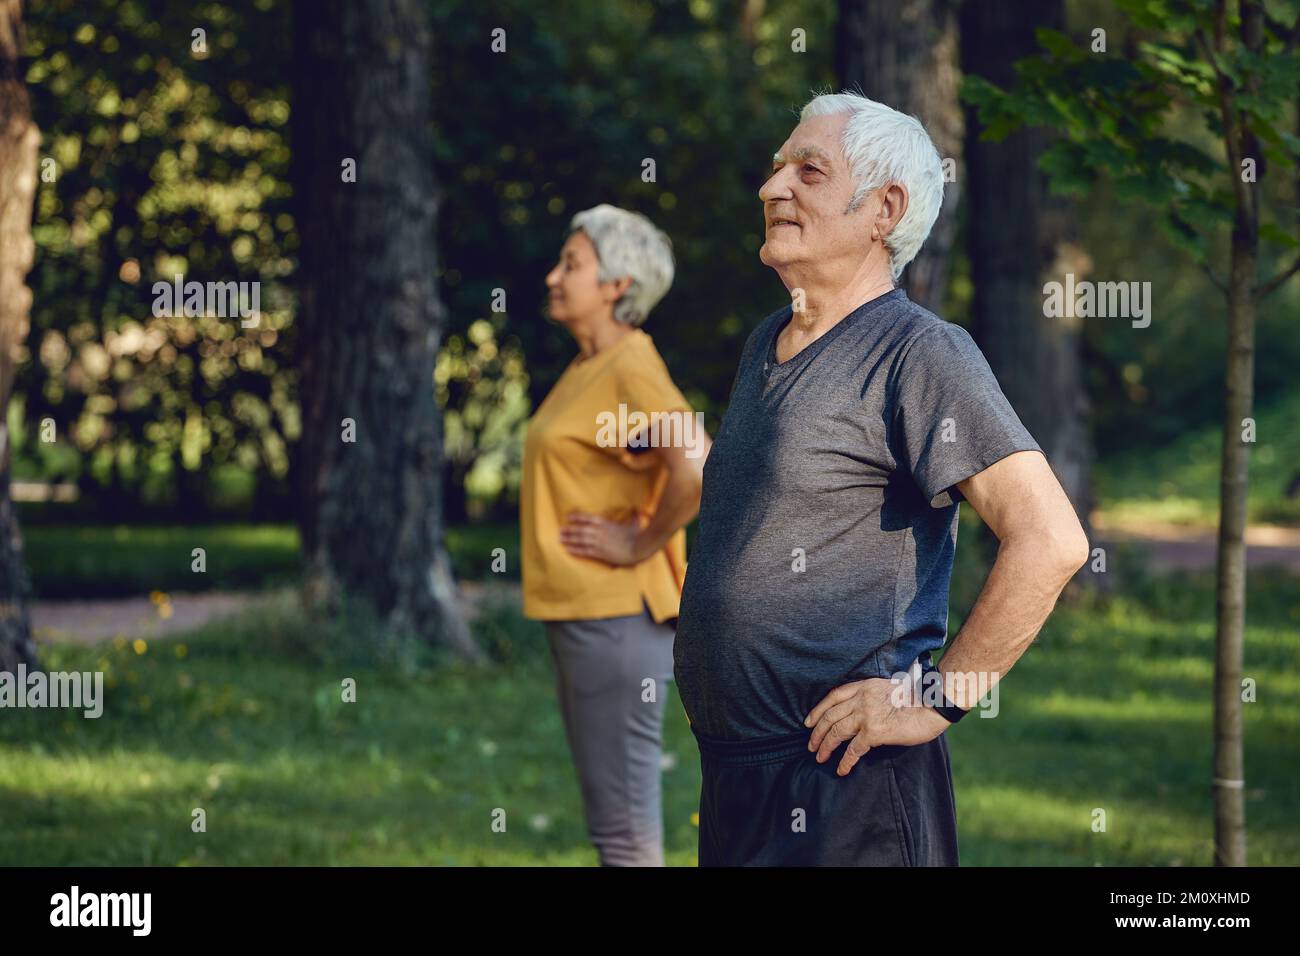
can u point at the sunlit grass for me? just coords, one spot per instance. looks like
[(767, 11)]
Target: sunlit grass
[(1110, 710), (1179, 483)]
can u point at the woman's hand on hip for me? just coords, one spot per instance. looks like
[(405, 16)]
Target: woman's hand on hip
[(600, 539)]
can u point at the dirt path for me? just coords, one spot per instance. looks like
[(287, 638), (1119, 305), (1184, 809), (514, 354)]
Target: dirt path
[(1172, 547), (86, 622), (1180, 547), (160, 616)]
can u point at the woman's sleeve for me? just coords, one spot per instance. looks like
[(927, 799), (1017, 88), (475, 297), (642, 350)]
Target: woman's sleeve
[(656, 411)]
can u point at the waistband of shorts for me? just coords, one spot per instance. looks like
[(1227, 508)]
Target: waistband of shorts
[(753, 750)]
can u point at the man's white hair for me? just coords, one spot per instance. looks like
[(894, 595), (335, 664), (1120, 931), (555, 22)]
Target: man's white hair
[(883, 146), (628, 244)]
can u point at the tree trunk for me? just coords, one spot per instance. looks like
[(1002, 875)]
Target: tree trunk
[(1019, 237), (19, 141), (904, 53), (370, 317), (1239, 389)]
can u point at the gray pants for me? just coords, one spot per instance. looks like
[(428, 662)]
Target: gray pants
[(611, 678)]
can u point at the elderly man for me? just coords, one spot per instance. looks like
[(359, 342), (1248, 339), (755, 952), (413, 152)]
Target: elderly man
[(858, 421)]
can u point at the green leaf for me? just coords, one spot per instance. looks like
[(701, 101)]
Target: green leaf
[(1184, 236), (1066, 171), (1291, 141), (1057, 43), (1272, 232)]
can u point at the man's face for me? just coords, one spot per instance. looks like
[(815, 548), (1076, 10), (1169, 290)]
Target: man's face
[(805, 198)]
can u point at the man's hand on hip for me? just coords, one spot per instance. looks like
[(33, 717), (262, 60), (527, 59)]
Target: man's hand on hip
[(866, 713)]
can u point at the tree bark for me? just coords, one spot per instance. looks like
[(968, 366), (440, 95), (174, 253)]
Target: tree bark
[(1018, 238), (19, 142), (904, 53), (1239, 389), (370, 317)]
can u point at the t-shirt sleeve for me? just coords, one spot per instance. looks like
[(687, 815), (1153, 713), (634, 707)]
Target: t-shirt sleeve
[(950, 418), (647, 389)]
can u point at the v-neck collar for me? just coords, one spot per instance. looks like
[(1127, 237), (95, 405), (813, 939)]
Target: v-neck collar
[(772, 368)]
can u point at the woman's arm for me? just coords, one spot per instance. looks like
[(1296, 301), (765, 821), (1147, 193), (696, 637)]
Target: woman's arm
[(622, 543), (680, 502)]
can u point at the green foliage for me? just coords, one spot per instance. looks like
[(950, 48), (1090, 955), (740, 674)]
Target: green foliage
[(1127, 119), (175, 161), (1136, 136), (483, 429), (168, 160), (564, 120)]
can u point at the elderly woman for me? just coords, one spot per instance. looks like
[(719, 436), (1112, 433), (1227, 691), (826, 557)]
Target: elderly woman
[(602, 519)]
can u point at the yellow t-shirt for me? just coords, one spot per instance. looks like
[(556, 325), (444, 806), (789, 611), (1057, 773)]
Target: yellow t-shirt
[(567, 467)]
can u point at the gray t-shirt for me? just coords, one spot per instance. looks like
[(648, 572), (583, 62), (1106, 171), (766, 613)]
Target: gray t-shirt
[(828, 522)]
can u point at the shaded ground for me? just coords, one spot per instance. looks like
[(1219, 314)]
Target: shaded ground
[(164, 615)]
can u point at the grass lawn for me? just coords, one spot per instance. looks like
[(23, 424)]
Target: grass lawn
[(87, 561), (1111, 710), (1179, 483)]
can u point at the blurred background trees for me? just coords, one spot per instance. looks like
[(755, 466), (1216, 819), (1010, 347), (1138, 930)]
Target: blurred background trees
[(175, 158), (1019, 237), (1220, 180), (169, 156), (166, 148), (19, 139), (907, 55)]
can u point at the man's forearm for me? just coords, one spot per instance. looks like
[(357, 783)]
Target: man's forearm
[(1019, 594)]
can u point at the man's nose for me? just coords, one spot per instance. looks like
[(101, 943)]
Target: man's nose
[(776, 187)]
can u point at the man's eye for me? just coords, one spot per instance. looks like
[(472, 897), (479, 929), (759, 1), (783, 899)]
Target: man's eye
[(810, 169)]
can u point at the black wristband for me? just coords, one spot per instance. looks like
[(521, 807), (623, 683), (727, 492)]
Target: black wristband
[(948, 710)]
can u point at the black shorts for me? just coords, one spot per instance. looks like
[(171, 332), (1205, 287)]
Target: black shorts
[(768, 802)]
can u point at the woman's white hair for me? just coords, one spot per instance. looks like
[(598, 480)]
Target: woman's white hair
[(628, 244), (883, 146)]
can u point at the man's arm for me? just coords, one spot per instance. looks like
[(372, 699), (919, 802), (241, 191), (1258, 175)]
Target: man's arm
[(1041, 545)]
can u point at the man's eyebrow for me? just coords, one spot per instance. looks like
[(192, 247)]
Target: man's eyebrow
[(804, 152)]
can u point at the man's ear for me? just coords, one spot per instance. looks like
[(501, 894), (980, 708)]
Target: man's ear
[(893, 204)]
